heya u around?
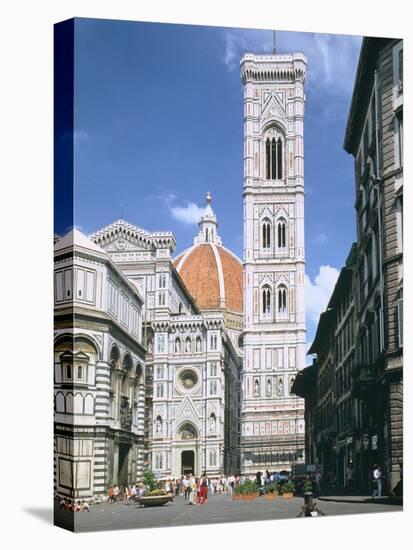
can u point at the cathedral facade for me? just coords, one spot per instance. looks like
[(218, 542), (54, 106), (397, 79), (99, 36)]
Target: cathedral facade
[(274, 261)]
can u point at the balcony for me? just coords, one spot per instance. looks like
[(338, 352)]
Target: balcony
[(364, 377)]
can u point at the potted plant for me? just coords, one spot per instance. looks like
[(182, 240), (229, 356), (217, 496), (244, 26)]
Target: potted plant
[(287, 490), (154, 495), (250, 490), (238, 492), (271, 491)]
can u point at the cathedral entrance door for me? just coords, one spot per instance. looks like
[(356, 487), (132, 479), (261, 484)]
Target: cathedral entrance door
[(187, 462), (123, 464)]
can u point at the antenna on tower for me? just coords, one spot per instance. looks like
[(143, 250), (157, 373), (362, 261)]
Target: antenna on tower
[(273, 42)]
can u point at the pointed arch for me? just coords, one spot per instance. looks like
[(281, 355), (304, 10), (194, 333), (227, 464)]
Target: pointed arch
[(266, 233), (282, 299), (266, 299)]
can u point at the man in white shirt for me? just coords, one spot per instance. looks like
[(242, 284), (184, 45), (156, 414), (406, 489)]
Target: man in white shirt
[(186, 484), (377, 481)]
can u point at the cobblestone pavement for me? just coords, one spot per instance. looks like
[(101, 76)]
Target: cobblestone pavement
[(219, 509)]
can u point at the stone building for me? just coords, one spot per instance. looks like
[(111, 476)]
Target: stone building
[(192, 316), (99, 371), (274, 338), (374, 136), (331, 410)]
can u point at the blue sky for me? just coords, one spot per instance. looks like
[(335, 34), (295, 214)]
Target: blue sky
[(158, 123)]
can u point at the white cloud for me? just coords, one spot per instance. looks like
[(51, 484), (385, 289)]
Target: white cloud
[(332, 58), (320, 238), (163, 195), (318, 292), (190, 213)]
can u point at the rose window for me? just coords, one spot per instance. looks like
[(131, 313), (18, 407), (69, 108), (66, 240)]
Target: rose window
[(188, 379)]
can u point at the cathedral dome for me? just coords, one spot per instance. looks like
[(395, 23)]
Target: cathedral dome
[(212, 274)]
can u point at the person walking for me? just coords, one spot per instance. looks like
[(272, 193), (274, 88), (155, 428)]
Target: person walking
[(186, 484), (203, 486), (377, 475), (192, 489)]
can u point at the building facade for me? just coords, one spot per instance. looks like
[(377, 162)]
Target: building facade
[(274, 261), (99, 372), (374, 136), (190, 327)]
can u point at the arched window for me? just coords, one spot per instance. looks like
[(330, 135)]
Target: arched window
[(266, 300), (279, 159), (282, 299), (273, 158), (266, 233), (281, 234)]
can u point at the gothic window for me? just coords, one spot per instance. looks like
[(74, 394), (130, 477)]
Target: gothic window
[(161, 343), (159, 390), (292, 378), (177, 345), (158, 461), (266, 300), (281, 234), (213, 387), (273, 158), (256, 387), (212, 458), (213, 341), (159, 372), (269, 387), (266, 234), (282, 299), (162, 280), (213, 369)]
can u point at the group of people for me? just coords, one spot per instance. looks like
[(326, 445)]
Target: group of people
[(74, 506), (125, 494)]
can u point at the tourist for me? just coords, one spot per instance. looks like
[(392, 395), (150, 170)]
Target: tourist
[(186, 484), (377, 475), (111, 494), (203, 489), (115, 493)]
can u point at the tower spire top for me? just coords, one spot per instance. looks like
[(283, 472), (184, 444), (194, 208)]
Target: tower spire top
[(273, 42), (208, 224)]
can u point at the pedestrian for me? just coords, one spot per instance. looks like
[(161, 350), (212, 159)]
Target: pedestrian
[(349, 476), (318, 481), (192, 489), (115, 493), (186, 484), (377, 480), (203, 486)]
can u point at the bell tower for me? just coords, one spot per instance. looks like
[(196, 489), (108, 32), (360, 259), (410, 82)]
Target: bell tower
[(272, 424)]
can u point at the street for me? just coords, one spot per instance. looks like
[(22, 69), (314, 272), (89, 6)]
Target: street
[(219, 509)]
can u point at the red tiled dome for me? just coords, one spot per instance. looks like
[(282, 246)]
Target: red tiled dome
[(213, 276)]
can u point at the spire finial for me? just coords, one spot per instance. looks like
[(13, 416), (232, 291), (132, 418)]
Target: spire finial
[(273, 42), (208, 198)]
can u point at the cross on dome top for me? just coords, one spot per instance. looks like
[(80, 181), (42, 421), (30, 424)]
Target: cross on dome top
[(208, 225)]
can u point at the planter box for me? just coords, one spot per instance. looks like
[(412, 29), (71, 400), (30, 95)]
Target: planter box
[(288, 495), (154, 501), (271, 496)]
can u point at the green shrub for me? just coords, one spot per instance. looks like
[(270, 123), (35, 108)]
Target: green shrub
[(288, 487), (156, 493), (149, 479), (271, 488)]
